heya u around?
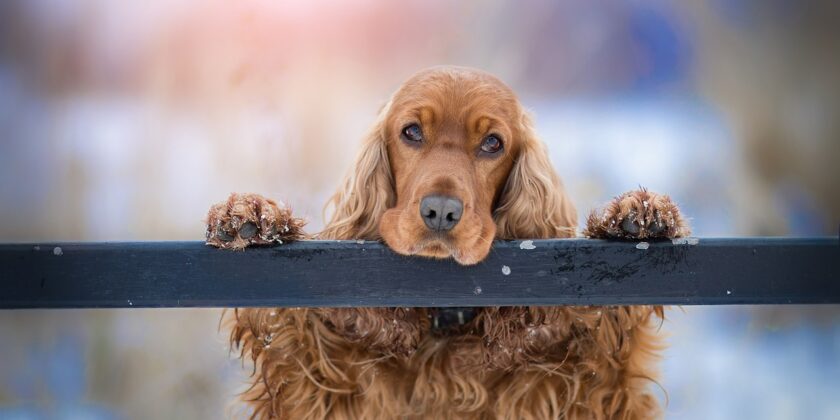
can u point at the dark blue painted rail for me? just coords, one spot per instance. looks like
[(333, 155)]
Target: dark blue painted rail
[(349, 273)]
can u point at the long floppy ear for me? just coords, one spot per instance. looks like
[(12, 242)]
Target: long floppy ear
[(534, 203), (366, 192)]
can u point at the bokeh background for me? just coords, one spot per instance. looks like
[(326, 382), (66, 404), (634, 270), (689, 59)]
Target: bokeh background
[(126, 120)]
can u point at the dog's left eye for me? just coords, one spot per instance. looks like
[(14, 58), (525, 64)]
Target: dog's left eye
[(413, 133), (491, 144)]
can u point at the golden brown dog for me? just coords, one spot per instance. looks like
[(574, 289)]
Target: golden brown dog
[(451, 164)]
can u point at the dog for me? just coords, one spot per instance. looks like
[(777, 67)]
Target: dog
[(451, 163)]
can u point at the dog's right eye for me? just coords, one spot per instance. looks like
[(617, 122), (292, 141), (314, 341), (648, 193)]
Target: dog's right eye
[(412, 133)]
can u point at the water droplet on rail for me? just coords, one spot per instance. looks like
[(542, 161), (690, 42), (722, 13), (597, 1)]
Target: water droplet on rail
[(527, 245)]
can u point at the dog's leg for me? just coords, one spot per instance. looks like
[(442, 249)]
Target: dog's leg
[(251, 219), (638, 214)]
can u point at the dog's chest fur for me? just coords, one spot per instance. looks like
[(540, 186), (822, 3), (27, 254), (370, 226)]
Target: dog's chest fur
[(391, 363)]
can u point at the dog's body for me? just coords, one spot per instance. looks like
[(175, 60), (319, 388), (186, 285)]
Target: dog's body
[(452, 163)]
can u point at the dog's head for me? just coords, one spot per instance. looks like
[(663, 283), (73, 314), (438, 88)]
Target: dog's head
[(451, 164)]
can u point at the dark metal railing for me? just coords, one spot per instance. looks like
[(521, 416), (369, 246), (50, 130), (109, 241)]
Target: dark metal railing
[(350, 273)]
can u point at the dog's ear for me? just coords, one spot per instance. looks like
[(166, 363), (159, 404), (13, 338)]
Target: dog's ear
[(366, 192), (534, 203)]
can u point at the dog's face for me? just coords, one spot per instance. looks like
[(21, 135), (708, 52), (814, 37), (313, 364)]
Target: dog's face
[(451, 142), (451, 164)]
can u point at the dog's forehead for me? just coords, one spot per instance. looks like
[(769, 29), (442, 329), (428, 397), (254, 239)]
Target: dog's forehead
[(443, 83), (457, 75), (456, 94)]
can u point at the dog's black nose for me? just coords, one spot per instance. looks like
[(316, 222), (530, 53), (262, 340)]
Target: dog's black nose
[(441, 213)]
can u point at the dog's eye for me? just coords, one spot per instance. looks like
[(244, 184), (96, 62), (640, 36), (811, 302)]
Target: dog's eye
[(491, 144), (412, 133)]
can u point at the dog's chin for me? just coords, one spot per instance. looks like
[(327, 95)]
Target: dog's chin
[(435, 248), (442, 247)]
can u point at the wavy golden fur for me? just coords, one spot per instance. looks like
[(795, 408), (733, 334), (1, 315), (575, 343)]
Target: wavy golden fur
[(511, 362)]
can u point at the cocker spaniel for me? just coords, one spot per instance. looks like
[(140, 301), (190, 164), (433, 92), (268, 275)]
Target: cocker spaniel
[(451, 164)]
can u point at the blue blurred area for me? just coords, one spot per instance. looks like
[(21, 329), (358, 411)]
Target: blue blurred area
[(732, 363), (115, 364), (665, 50), (54, 369)]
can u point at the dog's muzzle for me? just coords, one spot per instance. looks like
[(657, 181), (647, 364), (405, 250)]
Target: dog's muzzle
[(451, 320)]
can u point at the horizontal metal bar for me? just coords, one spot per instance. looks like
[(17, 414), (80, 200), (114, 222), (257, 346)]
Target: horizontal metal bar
[(350, 273)]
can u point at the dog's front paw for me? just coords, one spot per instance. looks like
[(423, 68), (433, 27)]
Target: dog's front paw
[(638, 214), (251, 219)]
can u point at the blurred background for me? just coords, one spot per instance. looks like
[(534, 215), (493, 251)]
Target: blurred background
[(126, 120)]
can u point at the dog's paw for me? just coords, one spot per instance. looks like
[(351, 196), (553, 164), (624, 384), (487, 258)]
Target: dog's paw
[(251, 219), (638, 214)]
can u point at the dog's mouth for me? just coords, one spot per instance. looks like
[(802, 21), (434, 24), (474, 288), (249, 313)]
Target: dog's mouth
[(451, 320)]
